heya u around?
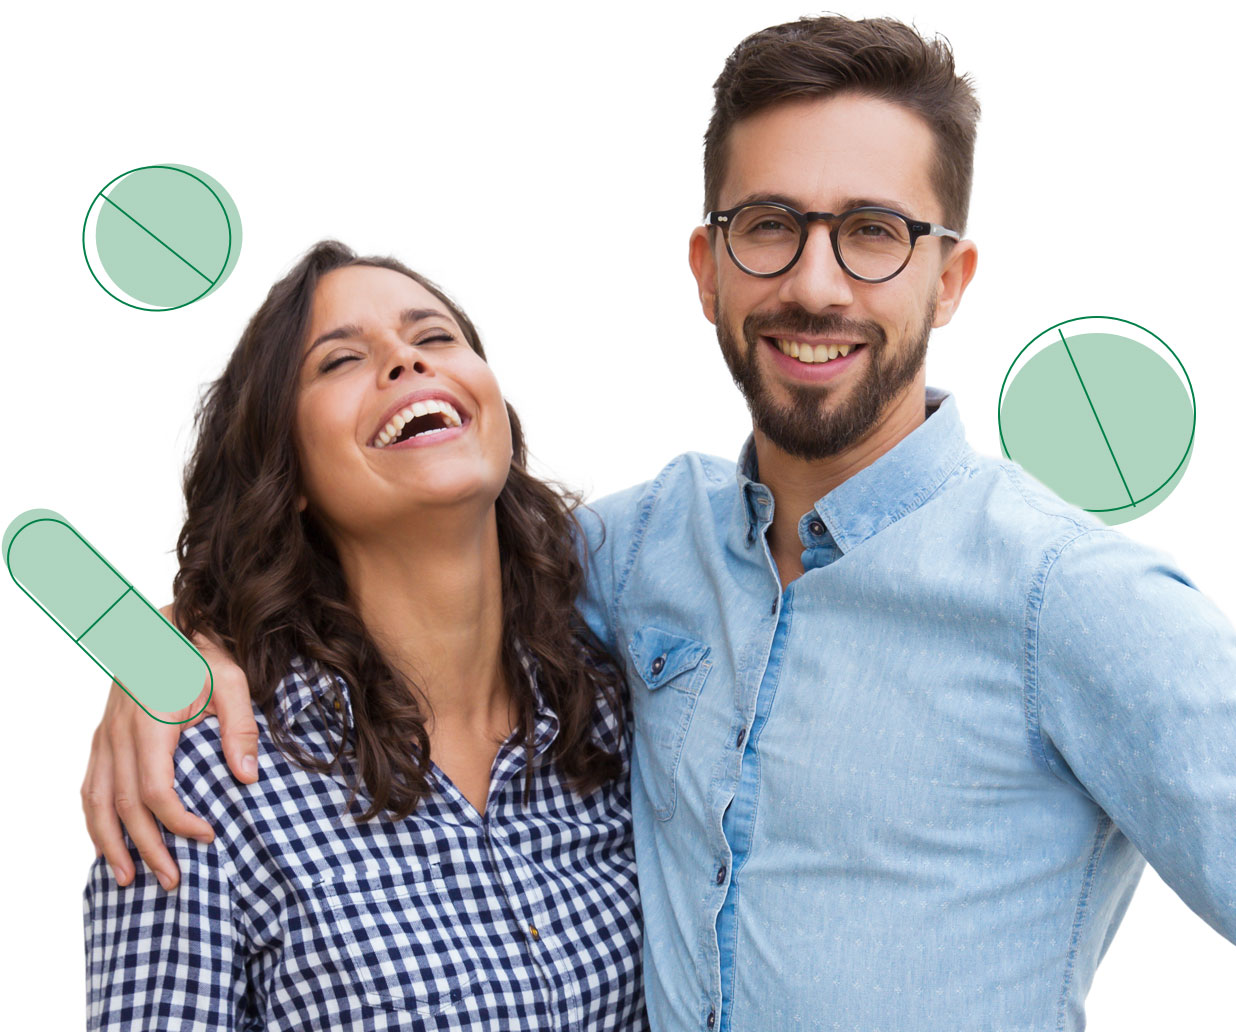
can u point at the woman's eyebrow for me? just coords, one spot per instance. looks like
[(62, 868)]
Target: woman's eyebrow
[(338, 333), (409, 315)]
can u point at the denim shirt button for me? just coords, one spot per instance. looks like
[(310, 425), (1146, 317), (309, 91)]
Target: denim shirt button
[(816, 527), (658, 665), (721, 874), (742, 734), (712, 1018)]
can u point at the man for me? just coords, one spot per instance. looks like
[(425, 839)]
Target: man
[(905, 723)]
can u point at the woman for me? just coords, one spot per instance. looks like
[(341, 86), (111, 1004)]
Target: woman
[(441, 836)]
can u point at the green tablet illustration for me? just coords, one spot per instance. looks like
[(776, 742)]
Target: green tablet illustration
[(105, 615), (160, 237), (1102, 411)]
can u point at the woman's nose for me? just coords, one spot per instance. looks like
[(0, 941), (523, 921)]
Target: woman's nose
[(407, 358), (417, 367)]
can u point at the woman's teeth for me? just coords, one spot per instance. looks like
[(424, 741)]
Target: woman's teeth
[(813, 355), (392, 430)]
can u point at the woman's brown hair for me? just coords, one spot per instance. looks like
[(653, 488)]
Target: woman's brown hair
[(265, 580)]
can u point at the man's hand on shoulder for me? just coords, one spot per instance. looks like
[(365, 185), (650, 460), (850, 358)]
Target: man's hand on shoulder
[(130, 779)]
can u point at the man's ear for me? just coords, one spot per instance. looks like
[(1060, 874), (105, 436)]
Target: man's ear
[(955, 275), (704, 268)]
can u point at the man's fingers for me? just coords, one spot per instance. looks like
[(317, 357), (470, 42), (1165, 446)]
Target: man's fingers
[(240, 734), (138, 821), (155, 745), (230, 702), (99, 806)]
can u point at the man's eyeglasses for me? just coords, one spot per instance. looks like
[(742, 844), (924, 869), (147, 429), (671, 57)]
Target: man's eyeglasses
[(871, 244)]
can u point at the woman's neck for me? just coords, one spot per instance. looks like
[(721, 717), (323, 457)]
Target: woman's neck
[(431, 597)]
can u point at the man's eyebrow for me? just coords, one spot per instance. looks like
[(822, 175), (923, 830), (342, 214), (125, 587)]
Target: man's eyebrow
[(874, 202), (845, 205), (407, 316), (757, 198)]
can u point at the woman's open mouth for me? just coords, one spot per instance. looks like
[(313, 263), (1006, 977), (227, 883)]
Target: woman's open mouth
[(420, 419)]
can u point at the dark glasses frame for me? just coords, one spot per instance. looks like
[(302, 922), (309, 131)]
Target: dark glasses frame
[(915, 228)]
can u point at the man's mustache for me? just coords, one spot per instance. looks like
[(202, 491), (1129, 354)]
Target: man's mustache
[(796, 321)]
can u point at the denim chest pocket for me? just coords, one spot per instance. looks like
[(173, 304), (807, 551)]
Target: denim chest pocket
[(399, 937), (671, 671)]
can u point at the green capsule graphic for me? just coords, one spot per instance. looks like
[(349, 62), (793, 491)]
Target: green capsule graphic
[(105, 615)]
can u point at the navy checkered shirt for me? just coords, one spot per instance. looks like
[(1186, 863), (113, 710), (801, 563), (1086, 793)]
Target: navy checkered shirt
[(298, 917)]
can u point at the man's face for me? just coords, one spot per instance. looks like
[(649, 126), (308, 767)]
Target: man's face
[(830, 155)]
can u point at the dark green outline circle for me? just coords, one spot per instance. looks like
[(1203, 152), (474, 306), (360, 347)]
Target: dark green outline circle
[(170, 168), (1127, 322)]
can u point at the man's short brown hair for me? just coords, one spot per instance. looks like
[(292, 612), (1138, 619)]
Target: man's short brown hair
[(874, 57)]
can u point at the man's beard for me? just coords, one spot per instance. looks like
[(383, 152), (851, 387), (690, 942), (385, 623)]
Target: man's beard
[(813, 425)]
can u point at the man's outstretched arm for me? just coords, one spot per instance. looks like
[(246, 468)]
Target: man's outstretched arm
[(129, 780), (1134, 690)]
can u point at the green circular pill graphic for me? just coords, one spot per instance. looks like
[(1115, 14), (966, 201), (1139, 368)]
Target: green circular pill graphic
[(160, 237), (1102, 411)]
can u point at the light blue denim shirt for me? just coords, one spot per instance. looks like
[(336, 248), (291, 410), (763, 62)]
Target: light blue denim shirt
[(913, 791)]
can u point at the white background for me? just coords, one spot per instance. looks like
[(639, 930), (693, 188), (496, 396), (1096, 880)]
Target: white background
[(543, 163)]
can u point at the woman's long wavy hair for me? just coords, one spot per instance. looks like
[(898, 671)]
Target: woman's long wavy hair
[(266, 581)]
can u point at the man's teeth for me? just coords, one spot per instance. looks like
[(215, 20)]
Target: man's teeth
[(811, 355), (402, 418)]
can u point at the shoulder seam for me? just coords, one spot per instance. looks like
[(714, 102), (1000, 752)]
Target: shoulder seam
[(240, 920), (221, 789), (1031, 701), (1012, 473)]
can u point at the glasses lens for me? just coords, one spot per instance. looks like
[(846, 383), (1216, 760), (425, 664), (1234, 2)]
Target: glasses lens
[(763, 238), (873, 245)]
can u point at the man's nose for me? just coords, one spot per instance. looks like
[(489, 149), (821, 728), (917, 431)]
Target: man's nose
[(817, 281)]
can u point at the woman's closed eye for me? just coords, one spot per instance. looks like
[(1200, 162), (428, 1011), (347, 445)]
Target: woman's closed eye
[(436, 337), (338, 360), (433, 337)]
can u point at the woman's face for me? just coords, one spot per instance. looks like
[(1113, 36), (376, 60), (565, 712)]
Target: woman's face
[(396, 413)]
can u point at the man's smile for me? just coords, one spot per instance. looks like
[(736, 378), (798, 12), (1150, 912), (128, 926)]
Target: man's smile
[(809, 351), (829, 364), (812, 356)]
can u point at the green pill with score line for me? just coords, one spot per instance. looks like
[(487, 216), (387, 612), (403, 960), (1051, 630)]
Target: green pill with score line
[(104, 614), (1102, 411), (159, 237)]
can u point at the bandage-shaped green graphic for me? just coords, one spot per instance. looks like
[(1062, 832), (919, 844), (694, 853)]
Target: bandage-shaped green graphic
[(105, 615)]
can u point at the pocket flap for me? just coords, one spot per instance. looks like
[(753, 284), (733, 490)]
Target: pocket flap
[(661, 656)]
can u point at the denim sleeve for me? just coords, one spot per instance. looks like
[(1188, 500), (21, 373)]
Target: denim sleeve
[(1131, 678), (609, 528)]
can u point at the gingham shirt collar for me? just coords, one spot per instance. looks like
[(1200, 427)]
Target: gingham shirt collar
[(295, 695)]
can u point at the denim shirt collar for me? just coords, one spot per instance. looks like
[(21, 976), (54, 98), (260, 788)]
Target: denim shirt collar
[(880, 494)]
